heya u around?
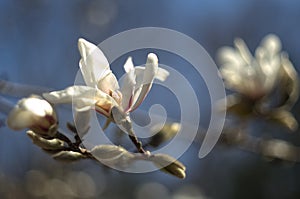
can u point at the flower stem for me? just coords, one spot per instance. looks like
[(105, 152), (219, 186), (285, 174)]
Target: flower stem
[(138, 144)]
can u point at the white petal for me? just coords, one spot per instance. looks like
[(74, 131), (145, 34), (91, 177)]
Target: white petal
[(162, 74), (128, 88), (150, 69), (84, 104), (93, 64), (141, 96), (139, 76), (122, 119), (67, 95), (29, 111), (108, 83), (143, 77), (20, 119), (82, 121), (128, 65), (38, 107), (83, 97), (243, 50), (149, 74), (229, 55), (272, 43), (267, 55), (138, 83)]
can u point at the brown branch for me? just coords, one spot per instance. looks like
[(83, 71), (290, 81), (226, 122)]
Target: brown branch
[(138, 144), (272, 148)]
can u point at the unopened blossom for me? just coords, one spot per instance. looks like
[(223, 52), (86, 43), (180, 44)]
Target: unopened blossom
[(251, 76), (102, 91), (169, 165), (33, 113)]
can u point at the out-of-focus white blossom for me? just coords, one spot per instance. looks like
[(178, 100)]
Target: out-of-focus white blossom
[(251, 76), (102, 91), (33, 113), (266, 84)]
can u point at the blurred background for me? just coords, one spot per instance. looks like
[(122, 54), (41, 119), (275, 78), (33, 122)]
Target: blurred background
[(38, 38)]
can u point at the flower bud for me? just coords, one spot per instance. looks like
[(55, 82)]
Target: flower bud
[(51, 145), (68, 156), (169, 165), (112, 155), (33, 113), (107, 151)]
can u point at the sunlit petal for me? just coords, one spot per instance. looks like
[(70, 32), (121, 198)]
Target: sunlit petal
[(82, 121), (229, 55), (128, 66), (243, 50), (108, 83), (162, 74), (67, 95), (93, 64), (128, 85), (272, 44), (150, 71), (150, 68), (122, 119), (34, 113)]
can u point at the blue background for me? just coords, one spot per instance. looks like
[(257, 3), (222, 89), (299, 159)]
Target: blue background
[(38, 46)]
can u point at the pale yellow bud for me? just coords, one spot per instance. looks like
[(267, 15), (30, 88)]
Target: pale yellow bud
[(47, 144), (169, 165), (68, 156)]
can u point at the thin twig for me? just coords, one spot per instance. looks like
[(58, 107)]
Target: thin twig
[(20, 90), (73, 129), (5, 106), (138, 144), (273, 148), (74, 146), (64, 138)]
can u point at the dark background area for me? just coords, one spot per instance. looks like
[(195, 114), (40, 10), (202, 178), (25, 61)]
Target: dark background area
[(38, 46)]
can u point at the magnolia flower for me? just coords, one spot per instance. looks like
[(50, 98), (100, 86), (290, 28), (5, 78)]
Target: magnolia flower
[(102, 91), (266, 84), (33, 113), (253, 77)]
